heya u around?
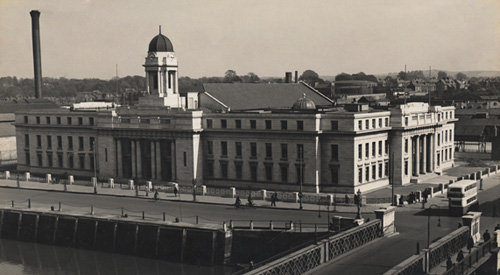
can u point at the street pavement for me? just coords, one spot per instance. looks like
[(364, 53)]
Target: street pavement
[(381, 255)]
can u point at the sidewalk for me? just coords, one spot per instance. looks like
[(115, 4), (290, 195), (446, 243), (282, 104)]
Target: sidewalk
[(122, 192)]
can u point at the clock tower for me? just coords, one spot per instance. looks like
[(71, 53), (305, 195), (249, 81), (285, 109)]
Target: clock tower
[(161, 74)]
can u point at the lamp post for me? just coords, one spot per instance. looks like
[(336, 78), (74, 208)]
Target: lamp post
[(429, 222), (321, 200), (95, 168), (300, 174)]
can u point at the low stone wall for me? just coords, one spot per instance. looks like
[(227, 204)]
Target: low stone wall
[(195, 245)]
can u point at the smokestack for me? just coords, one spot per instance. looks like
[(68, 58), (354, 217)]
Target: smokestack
[(37, 59), (296, 76), (288, 77)]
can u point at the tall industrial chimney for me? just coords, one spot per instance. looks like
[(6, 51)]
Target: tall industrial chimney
[(288, 77), (37, 59), (296, 76)]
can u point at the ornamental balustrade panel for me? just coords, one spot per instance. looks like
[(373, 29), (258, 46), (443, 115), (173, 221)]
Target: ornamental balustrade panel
[(440, 251), (297, 265), (353, 238), (464, 266)]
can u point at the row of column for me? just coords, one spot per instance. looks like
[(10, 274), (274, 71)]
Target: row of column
[(143, 165), (423, 159)]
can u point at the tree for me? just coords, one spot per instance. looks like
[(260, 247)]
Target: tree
[(251, 78), (343, 76), (461, 76), (442, 74), (310, 77), (230, 77), (402, 75)]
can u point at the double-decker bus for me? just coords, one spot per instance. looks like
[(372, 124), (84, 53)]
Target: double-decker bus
[(462, 197)]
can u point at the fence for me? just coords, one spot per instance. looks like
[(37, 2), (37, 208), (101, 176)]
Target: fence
[(437, 253), (314, 255), (465, 265)]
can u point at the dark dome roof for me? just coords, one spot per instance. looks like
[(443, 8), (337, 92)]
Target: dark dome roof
[(304, 103), (160, 43)]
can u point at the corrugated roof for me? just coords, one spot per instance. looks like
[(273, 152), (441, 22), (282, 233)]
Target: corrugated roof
[(11, 106), (469, 130), (7, 130), (247, 96)]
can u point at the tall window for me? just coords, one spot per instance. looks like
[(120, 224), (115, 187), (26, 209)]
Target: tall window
[(284, 125), (27, 156), (269, 150), (335, 152), (81, 161), (69, 121), (253, 124), (47, 120), (60, 162), (386, 168), (209, 124), (406, 167), (360, 175), (49, 142), (367, 124), (26, 140), (379, 122), (91, 120), (58, 121), (269, 125), (38, 141), (374, 172), (380, 147), (71, 162), (380, 170), (210, 169), (92, 143), (386, 122), (253, 149), (374, 149), (367, 150), (210, 147), (335, 174), (386, 145), (223, 169), (238, 149), (284, 173), (360, 151), (223, 123), (300, 125), (284, 151), (25, 119), (367, 173), (59, 142), (37, 120), (80, 143), (360, 124), (223, 146), (269, 172), (374, 123), (439, 139), (334, 125), (39, 158), (239, 170), (253, 171), (406, 145), (238, 123), (80, 121)]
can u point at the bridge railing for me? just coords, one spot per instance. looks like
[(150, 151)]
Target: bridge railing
[(465, 265), (314, 255)]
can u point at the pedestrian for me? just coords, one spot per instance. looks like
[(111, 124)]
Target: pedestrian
[(401, 201), (346, 199), (460, 256), (274, 197), (486, 236), (497, 227), (470, 244), (449, 263), (176, 190), (147, 191), (156, 195)]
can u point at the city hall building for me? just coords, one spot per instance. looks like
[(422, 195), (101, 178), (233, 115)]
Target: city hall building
[(248, 136)]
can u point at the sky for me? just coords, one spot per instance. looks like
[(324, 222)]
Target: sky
[(88, 38)]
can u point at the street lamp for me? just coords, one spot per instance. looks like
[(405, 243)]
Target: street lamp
[(321, 200), (95, 168), (300, 174), (429, 222)]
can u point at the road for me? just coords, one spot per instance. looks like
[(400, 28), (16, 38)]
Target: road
[(383, 254), (213, 214)]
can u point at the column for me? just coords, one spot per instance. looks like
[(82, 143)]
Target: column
[(139, 158), (153, 160), (158, 160), (119, 165), (134, 159), (417, 155), (424, 154), (431, 153), (174, 160)]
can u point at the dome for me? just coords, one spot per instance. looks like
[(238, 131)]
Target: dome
[(304, 103), (160, 43)]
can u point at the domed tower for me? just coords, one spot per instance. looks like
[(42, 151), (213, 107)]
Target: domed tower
[(161, 73), (303, 103)]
